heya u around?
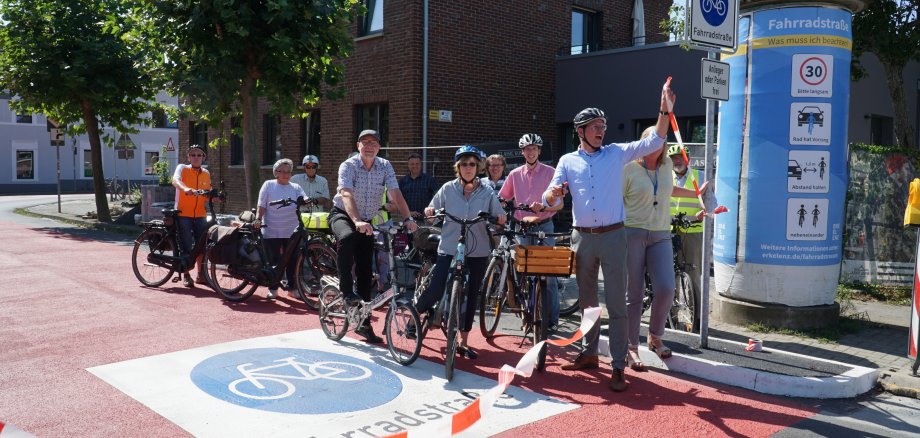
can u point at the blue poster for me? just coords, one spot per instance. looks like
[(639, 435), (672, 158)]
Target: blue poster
[(783, 140)]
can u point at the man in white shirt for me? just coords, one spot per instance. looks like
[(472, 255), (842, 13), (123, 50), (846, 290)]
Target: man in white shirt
[(313, 185)]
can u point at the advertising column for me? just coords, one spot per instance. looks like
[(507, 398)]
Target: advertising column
[(782, 158)]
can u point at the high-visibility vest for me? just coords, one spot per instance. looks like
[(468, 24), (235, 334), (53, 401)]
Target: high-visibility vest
[(382, 215), (687, 205)]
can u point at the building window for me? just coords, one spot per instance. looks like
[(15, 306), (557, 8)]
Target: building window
[(23, 118), (372, 21), (881, 130), (271, 140), (87, 163), (310, 131), (236, 142), (199, 132), (150, 158), (373, 116), (159, 119), (585, 31), (25, 164)]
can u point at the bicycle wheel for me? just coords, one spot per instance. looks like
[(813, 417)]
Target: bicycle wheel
[(152, 242), (224, 282), (682, 313), (538, 322), (568, 295), (493, 300), (404, 347), (333, 313), (453, 325), (317, 261)]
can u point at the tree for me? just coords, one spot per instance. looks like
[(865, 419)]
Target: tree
[(223, 55), (73, 61), (888, 28)]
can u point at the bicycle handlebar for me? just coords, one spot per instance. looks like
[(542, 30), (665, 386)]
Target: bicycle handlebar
[(442, 213), (300, 201)]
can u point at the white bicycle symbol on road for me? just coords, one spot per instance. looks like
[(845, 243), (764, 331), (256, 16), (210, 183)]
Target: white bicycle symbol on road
[(257, 380), (709, 4)]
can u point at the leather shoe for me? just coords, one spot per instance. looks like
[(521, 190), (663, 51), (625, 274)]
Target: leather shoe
[(582, 362), (368, 333), (618, 381)]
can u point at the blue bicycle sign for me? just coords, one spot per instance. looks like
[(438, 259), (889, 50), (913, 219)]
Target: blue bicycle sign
[(714, 11), (296, 381)]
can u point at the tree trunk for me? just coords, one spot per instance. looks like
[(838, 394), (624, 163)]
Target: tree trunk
[(252, 159), (903, 131), (95, 144)]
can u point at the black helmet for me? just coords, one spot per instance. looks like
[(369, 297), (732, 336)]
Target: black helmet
[(587, 115), (529, 139)]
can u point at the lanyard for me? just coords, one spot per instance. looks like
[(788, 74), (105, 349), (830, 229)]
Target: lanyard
[(654, 183)]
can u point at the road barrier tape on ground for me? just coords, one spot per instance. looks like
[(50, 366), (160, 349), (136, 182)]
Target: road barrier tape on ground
[(482, 405), (8, 431)]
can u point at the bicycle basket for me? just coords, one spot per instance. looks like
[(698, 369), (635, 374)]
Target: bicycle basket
[(553, 261), (406, 271), (423, 243)]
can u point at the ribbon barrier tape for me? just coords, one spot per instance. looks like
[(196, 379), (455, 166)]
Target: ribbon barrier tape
[(482, 405)]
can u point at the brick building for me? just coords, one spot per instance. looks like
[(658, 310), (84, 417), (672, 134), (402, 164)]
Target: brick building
[(491, 78)]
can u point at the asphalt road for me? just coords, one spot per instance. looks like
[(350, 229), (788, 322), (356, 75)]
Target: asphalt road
[(87, 351)]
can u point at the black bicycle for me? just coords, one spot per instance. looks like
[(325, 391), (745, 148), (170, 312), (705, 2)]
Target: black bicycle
[(157, 250), (237, 280)]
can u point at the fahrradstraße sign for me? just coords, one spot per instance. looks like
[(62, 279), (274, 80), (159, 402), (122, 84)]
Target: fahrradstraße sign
[(713, 24)]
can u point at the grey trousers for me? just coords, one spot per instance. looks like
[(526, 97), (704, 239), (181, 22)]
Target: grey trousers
[(648, 251), (606, 251)]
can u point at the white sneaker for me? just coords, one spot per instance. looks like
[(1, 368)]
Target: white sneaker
[(272, 293)]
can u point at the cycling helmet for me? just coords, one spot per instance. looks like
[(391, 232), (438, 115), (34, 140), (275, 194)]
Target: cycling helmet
[(675, 149), (200, 148), (529, 139), (465, 150), (310, 159), (587, 115)]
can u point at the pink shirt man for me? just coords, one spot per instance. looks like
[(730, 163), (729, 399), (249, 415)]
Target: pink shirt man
[(526, 186)]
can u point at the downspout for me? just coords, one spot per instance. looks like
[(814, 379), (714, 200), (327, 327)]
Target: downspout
[(425, 87)]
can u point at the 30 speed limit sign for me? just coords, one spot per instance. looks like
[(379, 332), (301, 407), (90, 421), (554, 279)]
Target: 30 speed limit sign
[(812, 75)]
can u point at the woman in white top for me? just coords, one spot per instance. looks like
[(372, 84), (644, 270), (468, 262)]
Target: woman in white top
[(280, 222)]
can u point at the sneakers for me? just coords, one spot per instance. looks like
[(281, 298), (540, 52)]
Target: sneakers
[(618, 381), (368, 333), (200, 279), (582, 362), (272, 293), (187, 280), (466, 352)]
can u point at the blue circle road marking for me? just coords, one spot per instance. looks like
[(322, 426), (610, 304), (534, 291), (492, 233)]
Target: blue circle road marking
[(296, 381), (714, 11)]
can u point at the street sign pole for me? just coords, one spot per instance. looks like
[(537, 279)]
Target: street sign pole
[(708, 171), (58, 151)]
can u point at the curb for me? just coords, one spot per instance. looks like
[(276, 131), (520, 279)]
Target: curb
[(856, 381), (96, 225), (899, 385)]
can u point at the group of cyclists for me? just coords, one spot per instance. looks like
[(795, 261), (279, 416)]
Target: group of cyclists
[(621, 206)]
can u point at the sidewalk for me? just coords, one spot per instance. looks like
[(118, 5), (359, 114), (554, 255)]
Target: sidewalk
[(789, 365)]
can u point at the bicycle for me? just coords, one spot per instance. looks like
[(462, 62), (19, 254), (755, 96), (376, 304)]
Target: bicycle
[(449, 304), (682, 315), (116, 191), (238, 281), (279, 381), (336, 315), (157, 254), (522, 270)]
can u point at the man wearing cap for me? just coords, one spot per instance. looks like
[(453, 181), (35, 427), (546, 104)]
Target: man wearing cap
[(593, 174), (525, 185), (692, 238), (362, 181), (192, 220), (313, 185), (417, 187)]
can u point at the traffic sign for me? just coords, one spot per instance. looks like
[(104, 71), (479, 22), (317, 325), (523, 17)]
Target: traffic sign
[(55, 133), (713, 24), (714, 79), (812, 75), (170, 147)]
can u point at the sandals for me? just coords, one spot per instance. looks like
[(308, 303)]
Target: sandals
[(466, 352), (633, 359), (656, 346)]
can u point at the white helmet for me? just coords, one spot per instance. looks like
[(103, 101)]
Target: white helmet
[(310, 159), (529, 139)]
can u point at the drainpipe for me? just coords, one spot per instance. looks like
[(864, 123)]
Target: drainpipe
[(425, 88)]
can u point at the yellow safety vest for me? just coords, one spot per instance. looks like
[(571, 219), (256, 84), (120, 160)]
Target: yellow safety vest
[(687, 205), (382, 215)]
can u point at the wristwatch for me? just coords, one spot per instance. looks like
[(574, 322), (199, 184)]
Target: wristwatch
[(663, 113)]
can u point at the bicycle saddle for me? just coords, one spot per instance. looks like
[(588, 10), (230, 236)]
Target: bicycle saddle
[(247, 216), (530, 219)]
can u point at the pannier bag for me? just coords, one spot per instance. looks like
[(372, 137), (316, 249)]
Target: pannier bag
[(231, 247), (317, 221)]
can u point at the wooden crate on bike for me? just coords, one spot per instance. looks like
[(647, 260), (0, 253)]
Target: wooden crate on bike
[(554, 261)]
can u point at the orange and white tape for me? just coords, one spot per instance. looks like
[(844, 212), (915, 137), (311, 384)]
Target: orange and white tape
[(8, 431), (482, 405)]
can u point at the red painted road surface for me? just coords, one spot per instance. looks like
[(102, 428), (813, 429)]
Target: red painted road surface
[(68, 304)]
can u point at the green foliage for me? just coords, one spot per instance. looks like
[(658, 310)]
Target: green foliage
[(161, 169), (673, 26), (897, 295), (913, 154), (887, 28)]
